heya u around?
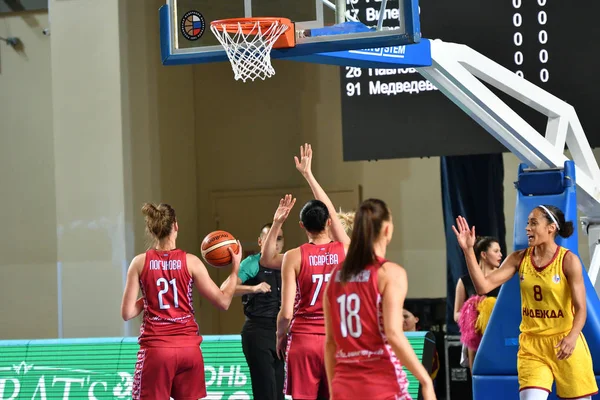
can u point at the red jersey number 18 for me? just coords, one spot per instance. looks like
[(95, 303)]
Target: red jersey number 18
[(349, 318)]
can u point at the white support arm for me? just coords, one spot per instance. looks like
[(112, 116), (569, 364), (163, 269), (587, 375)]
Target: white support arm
[(455, 71)]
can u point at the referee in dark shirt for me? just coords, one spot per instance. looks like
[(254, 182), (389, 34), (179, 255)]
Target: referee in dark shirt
[(260, 288)]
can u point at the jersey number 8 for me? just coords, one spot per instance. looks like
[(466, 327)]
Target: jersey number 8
[(349, 318), (537, 293)]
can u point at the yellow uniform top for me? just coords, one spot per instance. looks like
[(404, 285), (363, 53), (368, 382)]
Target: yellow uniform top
[(545, 296)]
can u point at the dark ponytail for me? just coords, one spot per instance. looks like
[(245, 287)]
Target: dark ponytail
[(482, 244), (368, 221), (565, 228)]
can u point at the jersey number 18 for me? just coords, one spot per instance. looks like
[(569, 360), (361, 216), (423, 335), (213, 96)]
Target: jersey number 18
[(349, 318)]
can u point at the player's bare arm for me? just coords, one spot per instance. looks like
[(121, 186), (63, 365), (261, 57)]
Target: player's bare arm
[(330, 347), (131, 306), (241, 290), (483, 284), (573, 271), (505, 272), (220, 298), (304, 166), (393, 287), (289, 272)]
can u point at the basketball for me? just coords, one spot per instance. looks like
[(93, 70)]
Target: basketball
[(215, 247)]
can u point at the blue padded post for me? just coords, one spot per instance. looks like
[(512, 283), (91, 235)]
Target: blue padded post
[(495, 367)]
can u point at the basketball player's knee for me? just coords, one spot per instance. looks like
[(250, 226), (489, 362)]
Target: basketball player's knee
[(533, 394)]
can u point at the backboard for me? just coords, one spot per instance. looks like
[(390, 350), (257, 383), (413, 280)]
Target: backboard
[(186, 37)]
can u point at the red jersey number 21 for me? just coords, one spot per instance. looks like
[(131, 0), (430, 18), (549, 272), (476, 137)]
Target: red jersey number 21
[(165, 289)]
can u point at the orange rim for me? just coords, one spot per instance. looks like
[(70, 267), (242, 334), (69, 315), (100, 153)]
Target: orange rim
[(248, 25)]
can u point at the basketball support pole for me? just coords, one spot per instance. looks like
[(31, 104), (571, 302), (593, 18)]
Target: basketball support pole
[(456, 71), (340, 11), (341, 14)]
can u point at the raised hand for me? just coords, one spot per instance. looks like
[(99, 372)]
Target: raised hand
[(285, 206), (464, 234), (304, 163)]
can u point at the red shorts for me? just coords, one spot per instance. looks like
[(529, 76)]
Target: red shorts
[(384, 383), (305, 376), (163, 372)]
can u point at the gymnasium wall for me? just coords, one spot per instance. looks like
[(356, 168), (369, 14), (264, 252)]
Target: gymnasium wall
[(27, 212), (163, 157), (158, 167), (190, 131)]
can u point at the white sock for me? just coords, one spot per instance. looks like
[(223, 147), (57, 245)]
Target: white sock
[(533, 394)]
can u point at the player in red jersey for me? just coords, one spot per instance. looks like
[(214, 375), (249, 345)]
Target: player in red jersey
[(305, 271), (170, 362), (365, 343)]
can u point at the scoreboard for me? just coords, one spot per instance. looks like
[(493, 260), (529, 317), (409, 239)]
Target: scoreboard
[(396, 113)]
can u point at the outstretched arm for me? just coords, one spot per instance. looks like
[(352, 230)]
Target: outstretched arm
[(304, 165), (269, 257), (483, 284)]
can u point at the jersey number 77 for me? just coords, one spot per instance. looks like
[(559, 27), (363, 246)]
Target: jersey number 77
[(318, 279)]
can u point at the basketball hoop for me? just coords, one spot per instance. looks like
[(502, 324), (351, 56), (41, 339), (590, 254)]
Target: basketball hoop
[(248, 43)]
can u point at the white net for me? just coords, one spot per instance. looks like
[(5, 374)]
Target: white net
[(249, 48)]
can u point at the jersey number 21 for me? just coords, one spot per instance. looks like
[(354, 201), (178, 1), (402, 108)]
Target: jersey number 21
[(165, 289)]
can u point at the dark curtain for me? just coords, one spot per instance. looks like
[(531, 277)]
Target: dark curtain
[(472, 186)]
